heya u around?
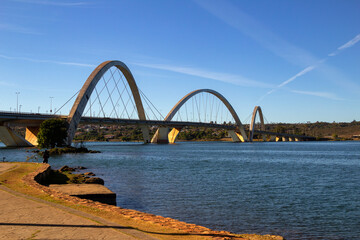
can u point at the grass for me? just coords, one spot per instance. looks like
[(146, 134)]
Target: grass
[(13, 180)]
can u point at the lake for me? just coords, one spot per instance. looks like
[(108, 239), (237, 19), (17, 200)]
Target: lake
[(299, 190)]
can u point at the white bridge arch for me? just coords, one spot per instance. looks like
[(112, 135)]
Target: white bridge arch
[(161, 134), (257, 109), (87, 89)]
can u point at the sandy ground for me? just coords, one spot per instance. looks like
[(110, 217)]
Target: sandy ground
[(26, 217), (6, 166)]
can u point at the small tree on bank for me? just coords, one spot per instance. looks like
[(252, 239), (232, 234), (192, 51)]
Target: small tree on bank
[(52, 133)]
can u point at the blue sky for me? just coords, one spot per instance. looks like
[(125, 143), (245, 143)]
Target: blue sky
[(299, 60)]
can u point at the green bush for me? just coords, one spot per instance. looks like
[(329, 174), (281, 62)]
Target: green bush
[(52, 133)]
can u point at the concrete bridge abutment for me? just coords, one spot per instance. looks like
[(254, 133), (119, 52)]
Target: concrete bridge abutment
[(31, 135), (161, 136), (236, 137), (12, 139), (173, 134)]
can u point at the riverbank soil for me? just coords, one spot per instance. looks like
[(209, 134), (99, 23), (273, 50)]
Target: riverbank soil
[(31, 213)]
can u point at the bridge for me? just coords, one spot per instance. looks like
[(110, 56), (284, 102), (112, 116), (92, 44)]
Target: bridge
[(111, 89)]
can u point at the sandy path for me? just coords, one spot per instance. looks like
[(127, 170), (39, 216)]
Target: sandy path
[(26, 217)]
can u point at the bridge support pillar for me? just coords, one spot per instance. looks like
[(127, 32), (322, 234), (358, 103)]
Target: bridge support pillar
[(242, 139), (31, 135), (173, 134), (146, 134), (12, 139), (236, 137), (161, 135), (272, 138)]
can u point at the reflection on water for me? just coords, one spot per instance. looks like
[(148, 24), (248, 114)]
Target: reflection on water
[(300, 190)]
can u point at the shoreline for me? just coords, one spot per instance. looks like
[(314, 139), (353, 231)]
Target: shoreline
[(32, 180)]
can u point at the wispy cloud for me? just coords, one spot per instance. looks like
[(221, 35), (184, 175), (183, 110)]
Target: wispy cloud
[(48, 61), (53, 3), (223, 77), (349, 44), (17, 29), (235, 17), (319, 94)]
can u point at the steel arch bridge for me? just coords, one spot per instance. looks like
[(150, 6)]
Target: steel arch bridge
[(257, 109), (162, 135)]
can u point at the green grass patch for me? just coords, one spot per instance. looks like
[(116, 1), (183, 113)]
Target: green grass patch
[(58, 177)]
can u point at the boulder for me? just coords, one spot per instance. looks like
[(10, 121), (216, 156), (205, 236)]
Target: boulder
[(89, 174), (66, 169), (94, 180), (80, 168)]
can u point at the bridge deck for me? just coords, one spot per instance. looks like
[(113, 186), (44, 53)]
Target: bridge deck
[(35, 119)]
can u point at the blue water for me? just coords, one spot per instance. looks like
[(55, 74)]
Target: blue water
[(300, 190)]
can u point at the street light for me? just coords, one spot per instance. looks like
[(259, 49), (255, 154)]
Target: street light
[(20, 108), (51, 98), (17, 101), (38, 109), (118, 113)]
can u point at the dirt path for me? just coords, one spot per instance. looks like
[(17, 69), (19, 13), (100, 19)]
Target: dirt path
[(6, 166), (26, 217)]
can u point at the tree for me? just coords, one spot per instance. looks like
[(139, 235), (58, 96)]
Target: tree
[(52, 133)]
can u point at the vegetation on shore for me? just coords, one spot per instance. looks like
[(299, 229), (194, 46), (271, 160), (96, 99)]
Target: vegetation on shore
[(52, 133), (59, 150), (65, 175), (319, 130)]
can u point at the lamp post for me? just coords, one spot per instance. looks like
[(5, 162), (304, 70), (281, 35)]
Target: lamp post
[(17, 101), (20, 108), (118, 113), (38, 109), (51, 98)]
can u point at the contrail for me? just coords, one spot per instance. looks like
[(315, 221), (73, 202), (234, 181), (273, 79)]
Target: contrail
[(349, 44)]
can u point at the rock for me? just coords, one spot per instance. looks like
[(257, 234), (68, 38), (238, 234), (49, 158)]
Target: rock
[(66, 169), (80, 168), (89, 174), (94, 151), (94, 180)]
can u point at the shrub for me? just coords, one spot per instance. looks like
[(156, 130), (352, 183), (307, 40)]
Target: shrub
[(52, 133)]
